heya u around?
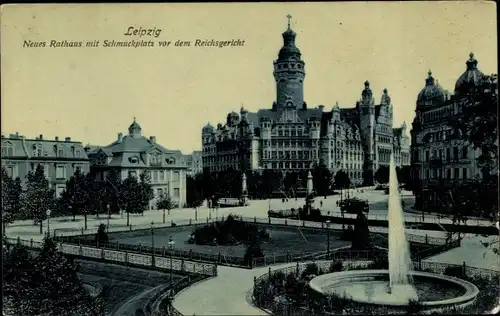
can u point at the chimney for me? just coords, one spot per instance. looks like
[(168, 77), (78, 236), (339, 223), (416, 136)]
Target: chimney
[(41, 137), (120, 137), (57, 138), (67, 139), (152, 139), (321, 107), (17, 134)]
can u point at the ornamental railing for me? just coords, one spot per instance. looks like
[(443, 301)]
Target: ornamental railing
[(124, 257)]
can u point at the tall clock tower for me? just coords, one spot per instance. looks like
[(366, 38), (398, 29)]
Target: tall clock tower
[(289, 73)]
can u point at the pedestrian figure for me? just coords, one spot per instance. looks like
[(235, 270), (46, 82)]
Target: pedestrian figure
[(321, 203)]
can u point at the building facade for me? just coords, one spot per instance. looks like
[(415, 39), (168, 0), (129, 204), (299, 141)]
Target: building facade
[(194, 162), (133, 153), (438, 156), (291, 136), (59, 158)]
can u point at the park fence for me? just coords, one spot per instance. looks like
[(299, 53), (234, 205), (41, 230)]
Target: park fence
[(164, 263), (88, 239), (266, 297)]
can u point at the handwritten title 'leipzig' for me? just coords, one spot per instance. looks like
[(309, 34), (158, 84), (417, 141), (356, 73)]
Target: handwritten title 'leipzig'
[(139, 37)]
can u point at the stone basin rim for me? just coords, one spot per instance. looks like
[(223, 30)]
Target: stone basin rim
[(471, 293)]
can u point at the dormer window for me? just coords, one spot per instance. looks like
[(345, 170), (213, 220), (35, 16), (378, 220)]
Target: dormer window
[(77, 153), (170, 160), (37, 150), (133, 159), (8, 149), (60, 153)]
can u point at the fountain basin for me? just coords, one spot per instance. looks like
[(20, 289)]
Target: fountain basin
[(434, 291)]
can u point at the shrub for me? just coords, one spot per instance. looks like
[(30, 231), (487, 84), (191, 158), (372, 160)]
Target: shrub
[(456, 271), (336, 266), (101, 235), (414, 307), (253, 251), (347, 234), (311, 268)]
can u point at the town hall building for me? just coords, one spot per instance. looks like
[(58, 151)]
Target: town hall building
[(291, 136)]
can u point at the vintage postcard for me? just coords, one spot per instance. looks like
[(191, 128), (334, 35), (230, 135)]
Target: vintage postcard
[(249, 158)]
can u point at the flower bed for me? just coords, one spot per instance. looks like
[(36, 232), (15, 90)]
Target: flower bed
[(286, 291)]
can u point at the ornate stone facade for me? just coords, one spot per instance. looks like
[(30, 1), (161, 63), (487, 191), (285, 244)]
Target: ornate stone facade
[(133, 153), (60, 158), (292, 137), (437, 155)]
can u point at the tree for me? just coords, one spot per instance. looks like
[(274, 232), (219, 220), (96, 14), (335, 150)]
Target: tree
[(146, 191), (164, 203), (130, 196), (477, 126), (11, 198), (361, 236), (18, 267), (342, 180), (38, 197), (69, 198), (57, 290), (382, 174), (46, 285), (194, 197), (322, 178)]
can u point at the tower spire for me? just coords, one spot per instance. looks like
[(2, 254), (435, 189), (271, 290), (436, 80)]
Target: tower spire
[(289, 20)]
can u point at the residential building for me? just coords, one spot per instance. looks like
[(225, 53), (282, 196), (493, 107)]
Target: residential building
[(60, 158), (291, 136), (194, 163), (133, 153)]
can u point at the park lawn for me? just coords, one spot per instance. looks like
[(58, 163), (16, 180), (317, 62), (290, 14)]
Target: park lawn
[(292, 240), (121, 284)]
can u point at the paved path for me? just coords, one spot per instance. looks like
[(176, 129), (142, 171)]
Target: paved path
[(257, 208), (224, 295)]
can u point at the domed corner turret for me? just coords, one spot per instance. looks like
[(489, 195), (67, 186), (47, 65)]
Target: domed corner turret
[(367, 92), (470, 78), (431, 95), (386, 98), (207, 129)]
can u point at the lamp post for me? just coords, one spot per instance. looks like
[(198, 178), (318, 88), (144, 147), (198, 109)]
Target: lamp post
[(328, 240), (196, 213), (171, 246), (108, 207), (48, 221), (152, 244)]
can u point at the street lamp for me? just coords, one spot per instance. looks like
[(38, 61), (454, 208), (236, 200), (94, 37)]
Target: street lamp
[(108, 207), (328, 240), (48, 221), (171, 246), (196, 213), (152, 244)]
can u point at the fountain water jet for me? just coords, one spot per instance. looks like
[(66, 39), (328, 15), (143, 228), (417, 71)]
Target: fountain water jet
[(395, 287), (399, 251)]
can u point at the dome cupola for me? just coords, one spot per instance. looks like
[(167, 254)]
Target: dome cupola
[(431, 95), (289, 49), (208, 129), (134, 129), (470, 78)]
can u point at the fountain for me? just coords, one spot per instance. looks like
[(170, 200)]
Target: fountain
[(398, 286)]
